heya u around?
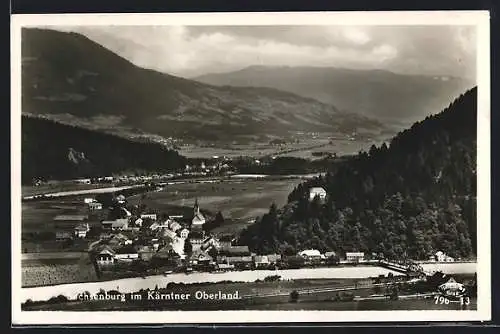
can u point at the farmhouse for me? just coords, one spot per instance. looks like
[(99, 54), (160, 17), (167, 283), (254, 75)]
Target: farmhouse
[(119, 225), (151, 216), (145, 253), (174, 226), (261, 261), (81, 230), (354, 257), (442, 257), (93, 206), (105, 256), (317, 192), (120, 199), (226, 240), (235, 251), (184, 233), (63, 236), (126, 253), (311, 255)]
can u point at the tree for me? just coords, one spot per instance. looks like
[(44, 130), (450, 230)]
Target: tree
[(294, 296), (188, 247)]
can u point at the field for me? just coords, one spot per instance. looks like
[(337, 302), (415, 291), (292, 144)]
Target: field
[(239, 201), (302, 149), (58, 186), (38, 227), (52, 271)]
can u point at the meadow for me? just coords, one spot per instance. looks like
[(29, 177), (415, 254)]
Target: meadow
[(239, 201)]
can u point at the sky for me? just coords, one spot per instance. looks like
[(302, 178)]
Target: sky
[(189, 51)]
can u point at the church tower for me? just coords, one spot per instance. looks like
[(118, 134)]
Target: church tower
[(196, 207)]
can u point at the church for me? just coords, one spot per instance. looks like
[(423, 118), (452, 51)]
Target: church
[(198, 218)]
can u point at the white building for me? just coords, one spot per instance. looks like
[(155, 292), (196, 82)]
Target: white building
[(354, 257), (151, 216), (95, 206), (184, 233), (317, 192), (198, 219), (310, 254)]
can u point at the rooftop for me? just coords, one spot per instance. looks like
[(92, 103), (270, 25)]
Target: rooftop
[(71, 217)]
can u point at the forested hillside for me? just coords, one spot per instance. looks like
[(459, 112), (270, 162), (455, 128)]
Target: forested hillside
[(411, 198), (55, 151)]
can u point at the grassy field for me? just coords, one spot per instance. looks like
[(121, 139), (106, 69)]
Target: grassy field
[(37, 218), (42, 272), (304, 148), (239, 201), (58, 186)]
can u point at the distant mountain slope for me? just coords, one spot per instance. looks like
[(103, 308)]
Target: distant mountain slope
[(410, 199), (56, 151), (375, 93), (76, 80)]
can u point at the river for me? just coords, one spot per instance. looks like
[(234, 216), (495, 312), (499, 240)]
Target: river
[(137, 283)]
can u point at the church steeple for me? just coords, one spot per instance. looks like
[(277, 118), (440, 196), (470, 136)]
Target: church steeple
[(196, 207)]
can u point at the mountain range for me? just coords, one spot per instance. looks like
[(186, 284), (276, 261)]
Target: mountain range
[(71, 79), (380, 94)]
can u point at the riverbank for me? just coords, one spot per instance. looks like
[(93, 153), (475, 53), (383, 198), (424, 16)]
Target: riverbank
[(135, 284)]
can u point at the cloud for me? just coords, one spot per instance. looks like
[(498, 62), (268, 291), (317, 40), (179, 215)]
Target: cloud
[(193, 50)]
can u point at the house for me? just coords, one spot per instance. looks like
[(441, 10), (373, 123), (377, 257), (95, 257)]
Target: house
[(196, 237), (240, 262), (317, 192), (138, 222), (174, 226), (88, 200), (63, 236), (119, 225), (261, 261), (106, 256), (226, 240), (184, 233), (311, 255), (274, 258), (354, 257), (71, 218), (94, 206), (83, 181), (154, 226), (168, 233), (81, 230), (235, 251), (331, 257), (224, 266), (198, 219), (108, 178), (126, 253), (201, 259), (120, 199), (442, 257), (146, 253), (151, 216)]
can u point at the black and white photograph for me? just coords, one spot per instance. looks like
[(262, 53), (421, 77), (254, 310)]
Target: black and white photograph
[(250, 167)]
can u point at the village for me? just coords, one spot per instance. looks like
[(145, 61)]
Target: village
[(140, 241)]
